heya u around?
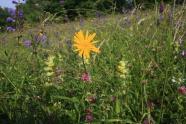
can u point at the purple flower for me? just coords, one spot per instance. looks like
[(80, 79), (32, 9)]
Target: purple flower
[(61, 2), (10, 29), (36, 39), (147, 121), (161, 9), (11, 11), (182, 90), (41, 38), (86, 77), (14, 2), (27, 43), (183, 53), (89, 117), (44, 38), (10, 19), (20, 14)]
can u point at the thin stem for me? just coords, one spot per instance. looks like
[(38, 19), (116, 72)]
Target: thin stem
[(146, 101), (8, 80), (173, 13), (84, 64), (135, 5)]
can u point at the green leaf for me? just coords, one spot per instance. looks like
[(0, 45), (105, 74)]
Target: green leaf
[(118, 106)]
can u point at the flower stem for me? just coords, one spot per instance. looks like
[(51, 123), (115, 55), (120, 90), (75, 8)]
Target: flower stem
[(84, 63)]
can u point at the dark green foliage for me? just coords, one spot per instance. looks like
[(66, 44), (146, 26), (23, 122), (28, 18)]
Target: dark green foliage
[(72, 9), (33, 10), (3, 15)]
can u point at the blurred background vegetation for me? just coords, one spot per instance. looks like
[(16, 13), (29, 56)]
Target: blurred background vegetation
[(65, 10)]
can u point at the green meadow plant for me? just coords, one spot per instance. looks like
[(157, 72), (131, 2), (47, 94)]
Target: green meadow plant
[(137, 77)]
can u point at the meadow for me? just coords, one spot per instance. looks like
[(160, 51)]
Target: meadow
[(135, 73)]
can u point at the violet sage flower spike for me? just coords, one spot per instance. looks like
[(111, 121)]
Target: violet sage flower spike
[(10, 19), (11, 29), (27, 43)]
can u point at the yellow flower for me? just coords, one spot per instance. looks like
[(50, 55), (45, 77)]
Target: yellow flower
[(49, 66), (84, 44), (122, 69), (50, 61)]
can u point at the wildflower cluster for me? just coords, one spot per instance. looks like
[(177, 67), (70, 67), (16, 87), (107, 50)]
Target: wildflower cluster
[(49, 69), (11, 21), (91, 99), (84, 45), (37, 39), (40, 37), (89, 115), (86, 77), (122, 69), (16, 17), (182, 90), (52, 70), (142, 87), (178, 80)]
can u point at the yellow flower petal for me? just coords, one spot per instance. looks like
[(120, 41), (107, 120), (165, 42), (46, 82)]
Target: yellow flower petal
[(84, 44)]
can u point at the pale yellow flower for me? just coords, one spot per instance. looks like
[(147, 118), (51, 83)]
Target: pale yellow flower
[(122, 69), (50, 61), (49, 74), (49, 66)]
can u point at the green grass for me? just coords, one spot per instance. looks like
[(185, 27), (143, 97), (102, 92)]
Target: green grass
[(151, 53)]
